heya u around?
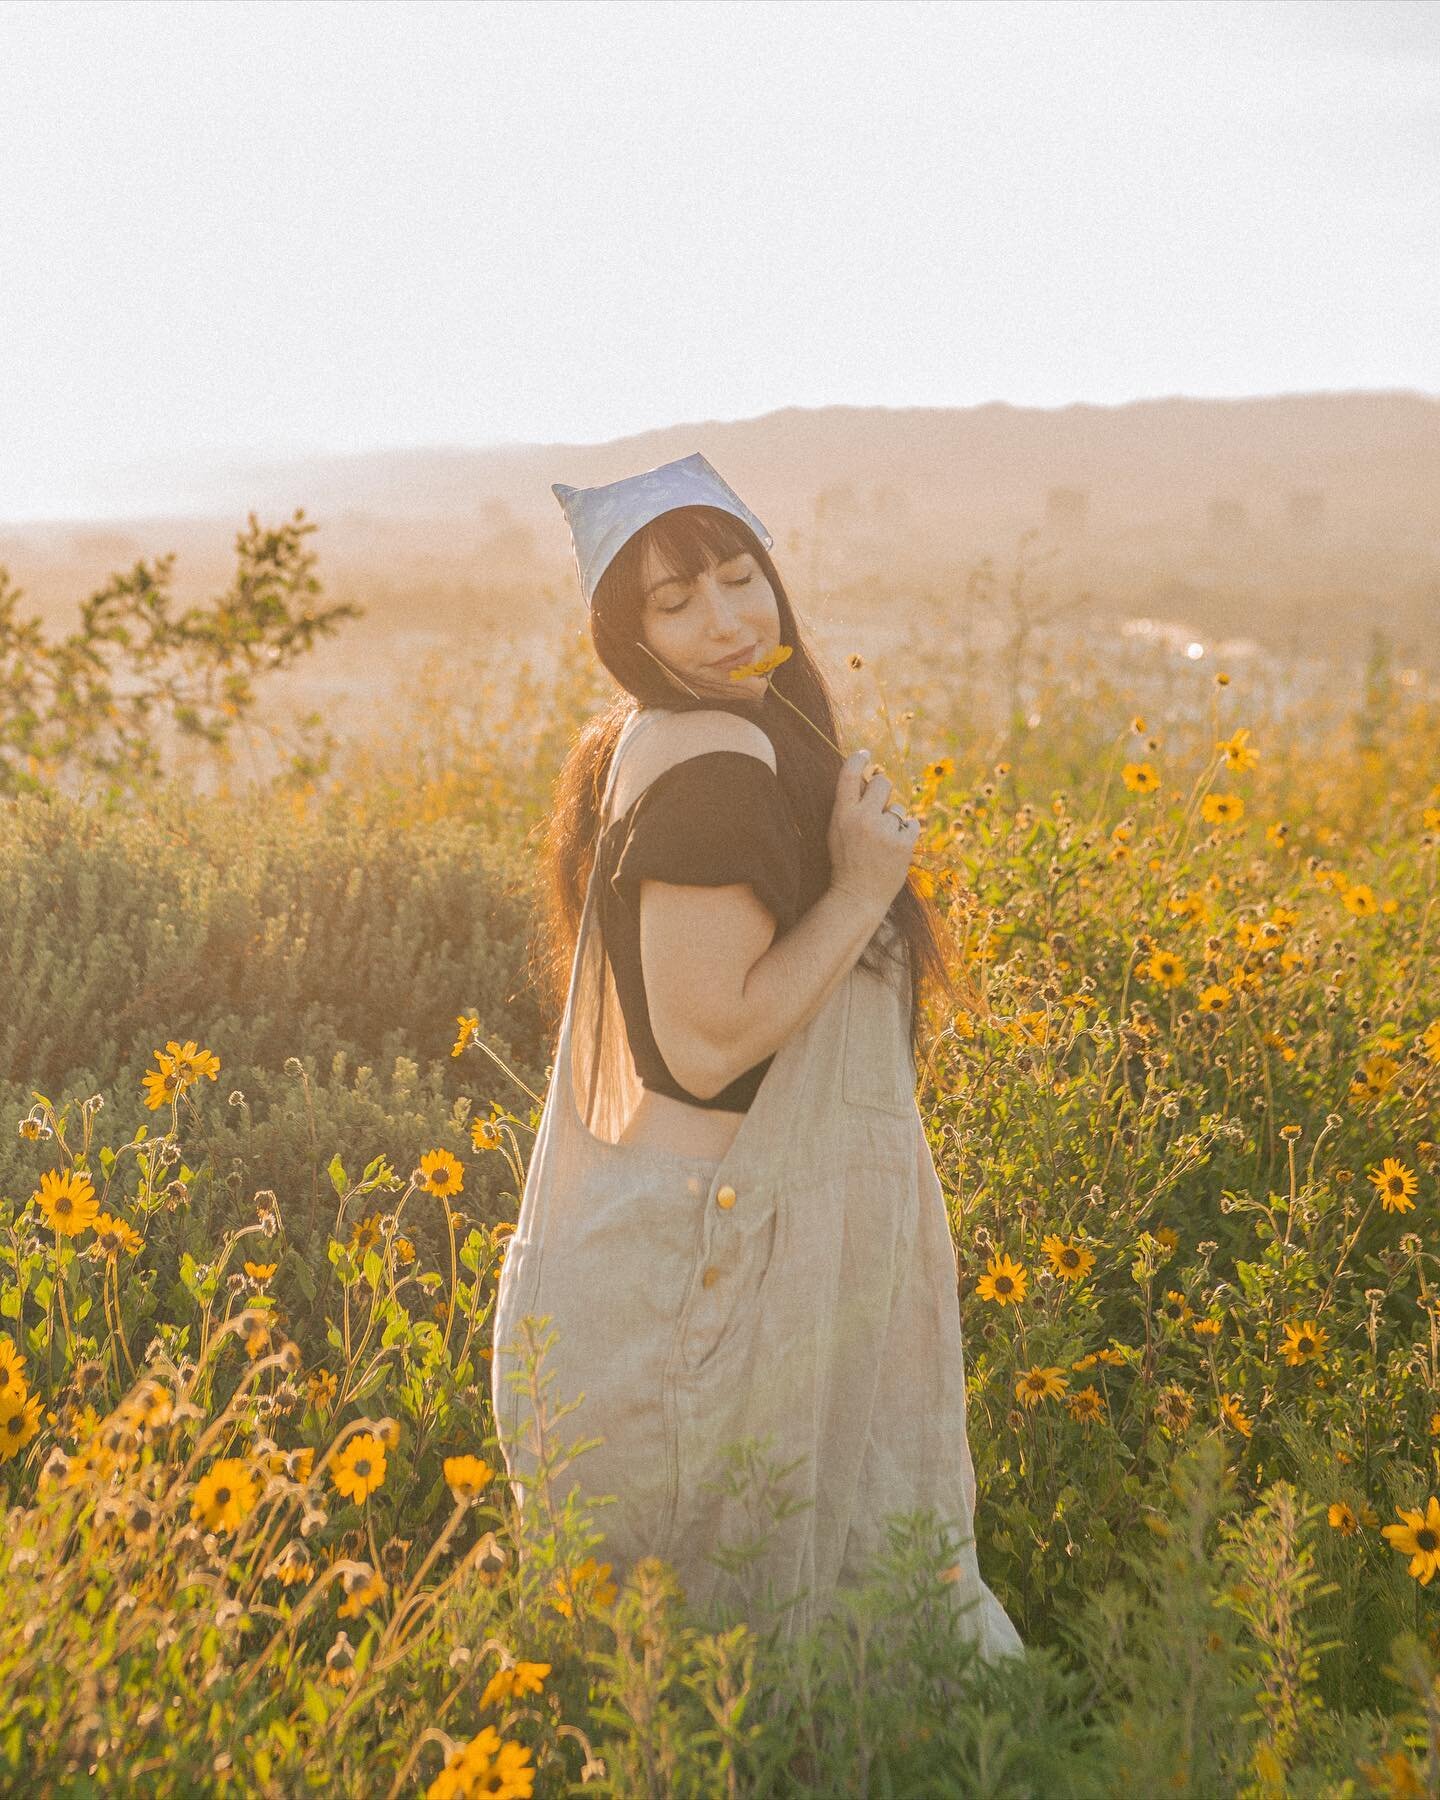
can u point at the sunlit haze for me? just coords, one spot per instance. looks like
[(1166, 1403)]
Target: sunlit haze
[(250, 230)]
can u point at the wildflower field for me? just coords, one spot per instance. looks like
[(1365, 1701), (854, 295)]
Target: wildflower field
[(271, 1065)]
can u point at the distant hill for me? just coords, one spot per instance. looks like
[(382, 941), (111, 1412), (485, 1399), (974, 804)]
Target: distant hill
[(1285, 517)]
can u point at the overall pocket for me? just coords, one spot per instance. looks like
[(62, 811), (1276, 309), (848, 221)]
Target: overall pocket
[(877, 1068)]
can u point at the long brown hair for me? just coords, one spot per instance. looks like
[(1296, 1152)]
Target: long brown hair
[(687, 540)]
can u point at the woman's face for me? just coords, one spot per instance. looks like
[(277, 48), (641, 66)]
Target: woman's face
[(726, 610)]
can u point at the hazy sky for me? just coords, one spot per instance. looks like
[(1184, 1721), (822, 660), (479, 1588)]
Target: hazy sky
[(275, 228)]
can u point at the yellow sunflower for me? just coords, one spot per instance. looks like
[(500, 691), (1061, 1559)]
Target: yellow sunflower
[(1233, 1412), (12, 1376), (67, 1199), (469, 1024), (1036, 1384), (360, 1467), (466, 1476), (1343, 1520), (18, 1427), (1086, 1406), (591, 1579), (1238, 752), (161, 1084), (1395, 1184), (363, 1587), (513, 1684), (1003, 1282), (1418, 1537), (1222, 809), (113, 1235), (442, 1172), (1430, 1041), (1166, 968), (486, 1765), (1359, 898), (1214, 998), (224, 1497), (189, 1061), (1071, 1262), (1303, 1342), (259, 1272), (1140, 778)]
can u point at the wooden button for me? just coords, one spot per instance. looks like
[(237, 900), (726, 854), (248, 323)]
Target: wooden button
[(725, 1197), (710, 1277)]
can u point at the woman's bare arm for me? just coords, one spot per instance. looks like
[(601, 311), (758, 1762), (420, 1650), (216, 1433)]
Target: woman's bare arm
[(722, 994)]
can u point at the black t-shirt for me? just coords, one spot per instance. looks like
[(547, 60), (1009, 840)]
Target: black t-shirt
[(713, 819)]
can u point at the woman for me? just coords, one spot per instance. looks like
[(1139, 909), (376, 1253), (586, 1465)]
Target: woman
[(731, 1217)]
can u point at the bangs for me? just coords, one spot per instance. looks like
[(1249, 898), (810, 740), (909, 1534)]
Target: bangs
[(690, 539)]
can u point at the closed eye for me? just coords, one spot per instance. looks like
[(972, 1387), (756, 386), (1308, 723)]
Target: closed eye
[(667, 610)]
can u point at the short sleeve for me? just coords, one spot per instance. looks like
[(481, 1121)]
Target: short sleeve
[(708, 821)]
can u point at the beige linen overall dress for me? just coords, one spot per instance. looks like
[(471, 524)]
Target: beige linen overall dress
[(798, 1292)]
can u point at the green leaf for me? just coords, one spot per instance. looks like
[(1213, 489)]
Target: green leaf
[(338, 1178)]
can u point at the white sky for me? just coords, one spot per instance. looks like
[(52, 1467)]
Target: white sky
[(285, 227)]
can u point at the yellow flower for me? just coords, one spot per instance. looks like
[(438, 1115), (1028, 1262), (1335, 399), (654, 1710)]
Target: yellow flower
[(12, 1377), (1003, 1281), (149, 1404), (1360, 900), (365, 1234), (223, 1498), (360, 1467), (1194, 909), (1166, 968), (442, 1172), (1086, 1406), (1418, 1537), (1222, 809), (1239, 754), (33, 1129), (466, 1476), (1167, 1237), (296, 1464), (1395, 1185), (586, 1576), (293, 1564), (487, 1766), (67, 1200), (1176, 1308), (513, 1684), (1205, 1327), (1214, 998), (322, 1387), (1037, 1384), (780, 654), (404, 1250), (1343, 1520), (363, 1586), (259, 1272), (1277, 834), (1111, 1355), (485, 1135), (1071, 1262), (1430, 1041), (1174, 1408), (257, 1338), (1234, 1415), (18, 1427), (180, 1065), (190, 1062), (1303, 1342), (469, 1024), (113, 1235), (1140, 778)]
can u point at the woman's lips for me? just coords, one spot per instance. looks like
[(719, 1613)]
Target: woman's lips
[(734, 662)]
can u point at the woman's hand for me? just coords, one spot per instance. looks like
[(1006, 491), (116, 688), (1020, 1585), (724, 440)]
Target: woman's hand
[(870, 848)]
